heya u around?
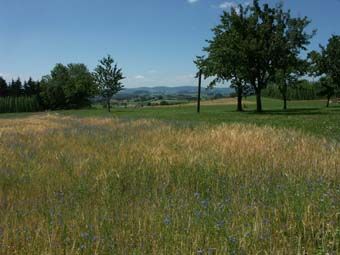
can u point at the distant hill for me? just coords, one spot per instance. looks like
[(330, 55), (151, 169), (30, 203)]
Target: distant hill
[(182, 90)]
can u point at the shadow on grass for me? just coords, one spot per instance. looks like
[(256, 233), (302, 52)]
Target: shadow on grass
[(297, 111)]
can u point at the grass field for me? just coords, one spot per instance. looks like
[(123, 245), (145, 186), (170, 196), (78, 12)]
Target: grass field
[(168, 181), (310, 117)]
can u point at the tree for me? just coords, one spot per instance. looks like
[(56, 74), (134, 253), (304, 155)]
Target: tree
[(80, 86), (31, 88), (108, 78), (252, 43), (52, 86), (67, 87), (223, 62), (3, 87), (288, 77), (329, 88), (291, 40), (327, 64), (15, 89)]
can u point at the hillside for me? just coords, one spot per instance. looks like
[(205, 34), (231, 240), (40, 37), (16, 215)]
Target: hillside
[(182, 90)]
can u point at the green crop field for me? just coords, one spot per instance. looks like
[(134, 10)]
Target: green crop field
[(165, 180)]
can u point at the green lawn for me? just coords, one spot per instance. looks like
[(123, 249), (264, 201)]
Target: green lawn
[(307, 116)]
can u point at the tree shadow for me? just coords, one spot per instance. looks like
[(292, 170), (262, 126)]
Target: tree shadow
[(296, 111)]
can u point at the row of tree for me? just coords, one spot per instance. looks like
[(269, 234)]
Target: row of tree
[(16, 88), (302, 90), (66, 87), (256, 46)]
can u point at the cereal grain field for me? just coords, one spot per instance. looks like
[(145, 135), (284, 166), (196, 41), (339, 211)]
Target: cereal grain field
[(73, 185)]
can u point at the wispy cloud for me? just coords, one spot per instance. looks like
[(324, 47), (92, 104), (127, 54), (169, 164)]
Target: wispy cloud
[(139, 77), (228, 5), (192, 1), (6, 76), (231, 4), (152, 71)]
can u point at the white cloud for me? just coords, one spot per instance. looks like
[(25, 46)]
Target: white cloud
[(152, 71), (192, 1), (6, 76), (231, 4), (139, 77), (227, 5)]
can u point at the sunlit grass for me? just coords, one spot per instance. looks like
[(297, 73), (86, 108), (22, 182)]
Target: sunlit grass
[(107, 186)]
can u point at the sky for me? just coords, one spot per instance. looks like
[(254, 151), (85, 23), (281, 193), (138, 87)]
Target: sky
[(153, 41)]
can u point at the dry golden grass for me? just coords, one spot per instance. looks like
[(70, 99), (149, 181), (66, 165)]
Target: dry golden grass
[(106, 186), (215, 102), (224, 101)]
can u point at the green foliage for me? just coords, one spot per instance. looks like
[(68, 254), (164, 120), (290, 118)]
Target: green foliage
[(251, 44), (3, 87), (327, 64), (329, 88), (15, 89), (223, 61), (31, 87), (108, 78), (302, 90), (19, 104), (67, 87)]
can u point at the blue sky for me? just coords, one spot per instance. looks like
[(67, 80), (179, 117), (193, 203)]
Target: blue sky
[(154, 41)]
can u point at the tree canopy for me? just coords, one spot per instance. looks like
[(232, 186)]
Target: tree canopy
[(108, 78), (67, 87), (3, 87), (252, 43), (327, 62)]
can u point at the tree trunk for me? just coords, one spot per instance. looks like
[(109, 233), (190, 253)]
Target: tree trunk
[(328, 100), (109, 105), (199, 91), (258, 100), (285, 102), (283, 90), (239, 100), (239, 103), (239, 91)]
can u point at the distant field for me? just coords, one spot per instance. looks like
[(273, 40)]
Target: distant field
[(110, 186)]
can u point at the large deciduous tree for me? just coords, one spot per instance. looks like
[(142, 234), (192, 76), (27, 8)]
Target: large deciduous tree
[(52, 86), (252, 43), (68, 86), (329, 88), (288, 76), (223, 62), (81, 85), (109, 79), (291, 40), (327, 64)]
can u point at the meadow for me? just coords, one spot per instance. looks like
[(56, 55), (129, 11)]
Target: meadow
[(165, 180), (309, 117)]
